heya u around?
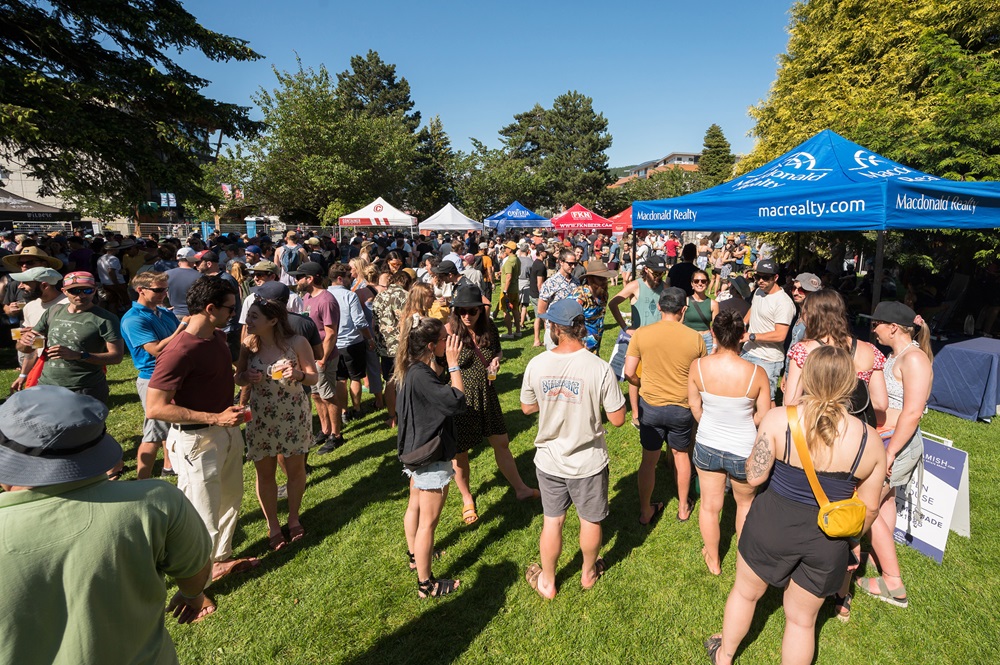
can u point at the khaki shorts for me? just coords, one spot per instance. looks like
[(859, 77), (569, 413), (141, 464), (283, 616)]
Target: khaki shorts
[(326, 386)]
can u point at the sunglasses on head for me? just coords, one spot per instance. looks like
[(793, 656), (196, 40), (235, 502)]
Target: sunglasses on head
[(157, 289), (81, 291)]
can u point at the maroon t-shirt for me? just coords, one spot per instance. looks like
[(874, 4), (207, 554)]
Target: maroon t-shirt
[(199, 371), (324, 310)]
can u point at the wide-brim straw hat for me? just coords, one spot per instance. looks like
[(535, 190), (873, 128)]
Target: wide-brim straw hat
[(11, 260), (599, 269)]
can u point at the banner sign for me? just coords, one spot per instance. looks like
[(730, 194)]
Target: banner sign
[(164, 200), (943, 499), (252, 228), (206, 230)]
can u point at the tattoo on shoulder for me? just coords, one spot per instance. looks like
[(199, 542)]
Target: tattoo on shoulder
[(759, 463)]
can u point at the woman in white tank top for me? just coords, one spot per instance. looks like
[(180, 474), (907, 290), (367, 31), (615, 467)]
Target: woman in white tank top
[(723, 391)]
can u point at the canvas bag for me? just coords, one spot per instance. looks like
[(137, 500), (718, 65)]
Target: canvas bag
[(837, 519)]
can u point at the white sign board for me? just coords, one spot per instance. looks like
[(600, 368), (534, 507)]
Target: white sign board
[(943, 495)]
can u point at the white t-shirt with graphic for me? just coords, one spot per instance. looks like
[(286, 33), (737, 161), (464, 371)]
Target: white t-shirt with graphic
[(570, 389), (767, 311)]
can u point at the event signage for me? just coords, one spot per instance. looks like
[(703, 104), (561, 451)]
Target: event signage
[(942, 495), (251, 228), (206, 230)]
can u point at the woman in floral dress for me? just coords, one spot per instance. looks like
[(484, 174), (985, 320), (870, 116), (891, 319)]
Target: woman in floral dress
[(592, 294), (281, 421)]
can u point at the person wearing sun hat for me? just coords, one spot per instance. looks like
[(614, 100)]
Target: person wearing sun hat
[(79, 549), (592, 294), (81, 339)]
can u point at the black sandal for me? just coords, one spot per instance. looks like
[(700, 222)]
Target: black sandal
[(712, 646), (413, 560), (435, 588)]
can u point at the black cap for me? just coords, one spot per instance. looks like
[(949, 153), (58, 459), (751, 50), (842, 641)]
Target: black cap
[(767, 267), (891, 311), (273, 291), (446, 268), (308, 269), (656, 263)]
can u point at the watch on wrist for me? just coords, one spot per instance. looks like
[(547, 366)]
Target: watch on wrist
[(753, 337), (84, 355)]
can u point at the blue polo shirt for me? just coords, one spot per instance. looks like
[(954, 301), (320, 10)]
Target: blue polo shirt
[(142, 325)]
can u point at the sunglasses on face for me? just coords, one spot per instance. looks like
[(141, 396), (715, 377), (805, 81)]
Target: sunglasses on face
[(158, 289), (467, 311), (570, 263), (876, 324), (764, 278), (699, 281), (82, 291), (798, 288)]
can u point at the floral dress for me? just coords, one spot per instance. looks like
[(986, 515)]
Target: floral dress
[(282, 422), (593, 315), (483, 416)]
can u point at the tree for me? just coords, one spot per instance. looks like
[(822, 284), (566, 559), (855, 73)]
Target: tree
[(488, 180), (370, 87), (432, 186), (93, 104), (316, 161), (717, 160), (565, 147)]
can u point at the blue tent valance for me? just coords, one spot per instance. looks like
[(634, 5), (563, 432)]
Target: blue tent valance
[(828, 183), (516, 216)]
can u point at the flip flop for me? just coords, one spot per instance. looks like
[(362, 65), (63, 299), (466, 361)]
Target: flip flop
[(657, 510), (599, 567), (234, 566), (690, 512), (532, 574), (712, 646), (296, 533), (469, 515), (276, 542)]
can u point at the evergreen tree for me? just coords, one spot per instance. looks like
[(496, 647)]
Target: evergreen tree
[(717, 160), (433, 186), (370, 86)]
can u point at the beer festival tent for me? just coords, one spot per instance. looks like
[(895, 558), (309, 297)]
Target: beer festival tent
[(14, 208), (579, 218), (622, 222), (516, 216), (829, 183), (449, 218), (378, 213)]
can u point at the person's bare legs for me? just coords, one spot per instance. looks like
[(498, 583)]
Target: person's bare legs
[(507, 466), (295, 469), (390, 403), (744, 494), (799, 641), (411, 519), (647, 480), (325, 426), (682, 473), (713, 488), (430, 504), (590, 547), (267, 493), (538, 331), (356, 395), (145, 457), (633, 400), (462, 472), (884, 542), (740, 606), (340, 406), (550, 547)]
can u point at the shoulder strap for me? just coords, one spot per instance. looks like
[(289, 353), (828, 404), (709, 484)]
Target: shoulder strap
[(482, 358), (701, 376), (854, 345), (800, 445), (701, 314), (861, 448), (753, 375)]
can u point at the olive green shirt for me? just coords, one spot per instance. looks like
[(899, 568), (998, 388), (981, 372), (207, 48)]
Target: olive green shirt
[(84, 331)]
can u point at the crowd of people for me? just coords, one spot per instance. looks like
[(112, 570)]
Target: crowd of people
[(234, 340)]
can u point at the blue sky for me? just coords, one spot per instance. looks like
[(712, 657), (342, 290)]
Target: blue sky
[(660, 71)]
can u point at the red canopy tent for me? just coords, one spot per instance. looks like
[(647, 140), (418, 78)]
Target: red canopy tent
[(579, 218), (622, 222)]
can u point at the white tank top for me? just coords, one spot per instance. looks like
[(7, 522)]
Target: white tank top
[(727, 422)]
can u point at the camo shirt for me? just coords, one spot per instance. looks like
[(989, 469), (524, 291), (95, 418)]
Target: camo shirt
[(387, 306)]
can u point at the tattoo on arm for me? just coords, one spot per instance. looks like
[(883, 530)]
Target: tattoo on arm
[(760, 460)]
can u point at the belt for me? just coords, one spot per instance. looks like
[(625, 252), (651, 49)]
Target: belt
[(188, 428)]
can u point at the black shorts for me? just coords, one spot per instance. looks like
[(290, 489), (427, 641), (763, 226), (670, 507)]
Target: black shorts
[(353, 362), (388, 366), (670, 423), (781, 541)]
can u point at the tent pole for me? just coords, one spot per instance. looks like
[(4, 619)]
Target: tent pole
[(877, 277)]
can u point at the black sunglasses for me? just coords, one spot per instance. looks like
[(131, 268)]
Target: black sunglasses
[(158, 289), (876, 324), (699, 281), (83, 291), (571, 263), (764, 278), (462, 311)]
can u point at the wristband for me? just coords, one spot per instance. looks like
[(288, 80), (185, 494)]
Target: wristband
[(22, 376), (454, 369)]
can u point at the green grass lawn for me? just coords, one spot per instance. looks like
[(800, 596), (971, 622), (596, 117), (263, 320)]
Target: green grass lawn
[(345, 594)]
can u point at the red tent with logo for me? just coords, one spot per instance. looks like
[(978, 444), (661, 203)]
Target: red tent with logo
[(579, 218), (622, 222)]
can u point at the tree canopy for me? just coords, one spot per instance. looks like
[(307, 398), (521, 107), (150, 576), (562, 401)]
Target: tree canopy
[(370, 86), (94, 106), (717, 160)]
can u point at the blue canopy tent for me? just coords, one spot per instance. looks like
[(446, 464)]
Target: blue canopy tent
[(516, 216), (829, 183)]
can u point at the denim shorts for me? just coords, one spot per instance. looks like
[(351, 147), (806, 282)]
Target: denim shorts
[(670, 423), (434, 476), (773, 369), (710, 459)]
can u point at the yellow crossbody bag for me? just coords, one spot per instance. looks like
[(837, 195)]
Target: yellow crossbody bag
[(839, 519)]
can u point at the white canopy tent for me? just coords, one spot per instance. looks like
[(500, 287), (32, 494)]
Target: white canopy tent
[(449, 218), (378, 213)]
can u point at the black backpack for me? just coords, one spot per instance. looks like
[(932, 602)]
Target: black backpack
[(861, 402)]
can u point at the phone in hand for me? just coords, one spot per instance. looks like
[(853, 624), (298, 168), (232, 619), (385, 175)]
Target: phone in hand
[(852, 559)]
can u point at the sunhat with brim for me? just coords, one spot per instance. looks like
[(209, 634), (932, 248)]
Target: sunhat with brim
[(599, 269), (50, 435), (468, 295), (11, 261)]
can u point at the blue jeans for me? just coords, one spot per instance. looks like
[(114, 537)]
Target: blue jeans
[(773, 369), (710, 459)]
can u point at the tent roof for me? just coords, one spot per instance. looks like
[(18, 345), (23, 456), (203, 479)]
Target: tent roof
[(449, 218), (622, 222), (517, 216), (19, 209), (580, 218), (378, 213), (828, 182)]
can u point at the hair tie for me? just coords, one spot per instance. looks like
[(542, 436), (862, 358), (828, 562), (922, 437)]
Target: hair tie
[(416, 319), (918, 321)]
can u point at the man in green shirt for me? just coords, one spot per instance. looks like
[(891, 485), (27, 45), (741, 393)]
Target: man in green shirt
[(509, 271), (84, 559)]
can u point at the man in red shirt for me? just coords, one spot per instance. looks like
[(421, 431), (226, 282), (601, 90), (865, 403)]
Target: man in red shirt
[(671, 247), (192, 388)]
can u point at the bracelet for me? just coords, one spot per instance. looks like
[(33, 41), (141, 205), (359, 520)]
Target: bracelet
[(22, 376), (454, 369)]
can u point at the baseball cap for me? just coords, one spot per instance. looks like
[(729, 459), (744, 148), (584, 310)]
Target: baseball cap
[(511, 245), (809, 282), (252, 249), (265, 266), (446, 268), (312, 241), (185, 254), (891, 311), (308, 269), (562, 312), (767, 267), (39, 274), (483, 245), (273, 291), (206, 255), (656, 263), (78, 279)]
